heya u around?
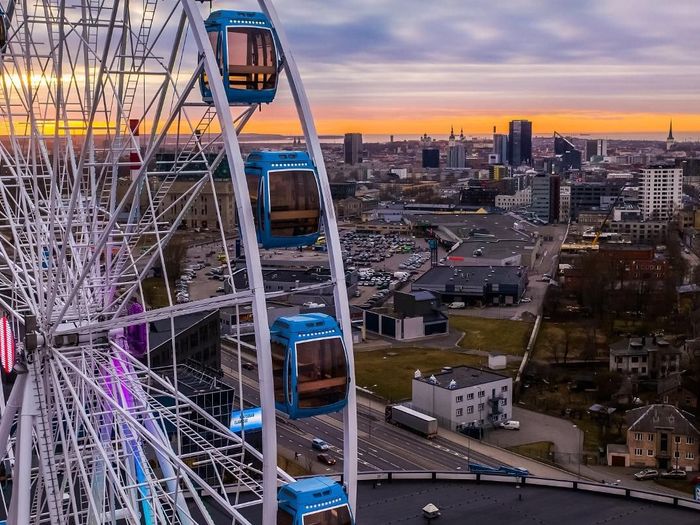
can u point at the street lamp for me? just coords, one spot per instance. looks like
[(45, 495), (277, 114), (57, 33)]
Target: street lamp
[(580, 448), (370, 393)]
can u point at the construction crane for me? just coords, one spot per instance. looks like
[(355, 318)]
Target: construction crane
[(599, 231)]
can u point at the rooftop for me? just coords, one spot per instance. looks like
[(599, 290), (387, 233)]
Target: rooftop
[(463, 376), (470, 276), (651, 417), (159, 332), (642, 346), (402, 501), (490, 249)]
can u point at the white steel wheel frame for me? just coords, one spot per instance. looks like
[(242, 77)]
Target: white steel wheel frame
[(340, 293), (340, 296), (26, 400)]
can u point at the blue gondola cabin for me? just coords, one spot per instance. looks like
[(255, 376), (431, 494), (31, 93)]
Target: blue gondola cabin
[(246, 52), (313, 501), (285, 197), (309, 365)]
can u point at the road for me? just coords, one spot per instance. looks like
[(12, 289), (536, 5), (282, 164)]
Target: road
[(381, 446)]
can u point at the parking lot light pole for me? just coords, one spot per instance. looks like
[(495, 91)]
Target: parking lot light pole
[(370, 393), (580, 448)]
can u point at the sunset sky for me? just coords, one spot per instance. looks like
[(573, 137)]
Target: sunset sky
[(409, 66)]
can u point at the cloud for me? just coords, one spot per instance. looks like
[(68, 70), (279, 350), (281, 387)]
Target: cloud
[(514, 55)]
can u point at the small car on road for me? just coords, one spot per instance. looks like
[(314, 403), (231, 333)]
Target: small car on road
[(326, 459), (675, 473), (647, 473)]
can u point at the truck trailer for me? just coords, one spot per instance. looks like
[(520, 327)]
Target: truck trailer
[(422, 424)]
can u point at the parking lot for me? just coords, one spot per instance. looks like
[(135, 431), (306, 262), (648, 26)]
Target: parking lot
[(202, 275)]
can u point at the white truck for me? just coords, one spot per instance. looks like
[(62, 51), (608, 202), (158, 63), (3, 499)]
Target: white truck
[(413, 420)]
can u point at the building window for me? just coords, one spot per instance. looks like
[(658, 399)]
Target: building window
[(470, 410), (650, 437), (481, 393), (470, 396), (638, 436), (481, 407), (637, 451), (504, 388), (504, 402), (689, 440), (689, 455), (650, 452), (677, 439), (676, 454), (459, 412), (459, 399)]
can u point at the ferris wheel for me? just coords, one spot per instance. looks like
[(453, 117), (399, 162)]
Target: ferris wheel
[(119, 120)]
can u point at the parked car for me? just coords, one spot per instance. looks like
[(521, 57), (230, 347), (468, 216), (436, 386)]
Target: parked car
[(511, 425), (319, 444), (647, 473), (326, 459), (526, 300), (675, 473)]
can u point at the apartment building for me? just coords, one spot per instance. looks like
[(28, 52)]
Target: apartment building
[(662, 191)]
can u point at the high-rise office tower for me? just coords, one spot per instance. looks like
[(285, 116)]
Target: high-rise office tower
[(602, 150), (353, 147), (591, 149), (565, 150), (500, 147), (456, 154), (662, 191), (431, 158), (520, 142), (546, 190)]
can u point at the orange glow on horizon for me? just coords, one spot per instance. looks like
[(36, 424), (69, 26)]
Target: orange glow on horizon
[(543, 124)]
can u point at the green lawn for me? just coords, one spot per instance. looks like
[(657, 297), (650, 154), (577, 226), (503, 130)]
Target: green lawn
[(493, 335), (392, 370), (539, 450), (154, 292)]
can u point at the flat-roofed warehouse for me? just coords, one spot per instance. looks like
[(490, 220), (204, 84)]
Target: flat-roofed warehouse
[(492, 239), (475, 284)]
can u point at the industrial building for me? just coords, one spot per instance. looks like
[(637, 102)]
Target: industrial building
[(480, 285), (463, 396), (415, 315)]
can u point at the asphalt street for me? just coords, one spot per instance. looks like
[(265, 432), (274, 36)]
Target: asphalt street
[(381, 446)]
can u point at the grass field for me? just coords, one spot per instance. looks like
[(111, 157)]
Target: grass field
[(392, 370), (539, 450), (493, 335), (154, 292)]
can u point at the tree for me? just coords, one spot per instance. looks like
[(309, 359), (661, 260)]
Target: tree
[(174, 255), (607, 383)]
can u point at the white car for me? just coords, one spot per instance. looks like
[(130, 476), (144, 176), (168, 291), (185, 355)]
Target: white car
[(511, 425), (526, 300)]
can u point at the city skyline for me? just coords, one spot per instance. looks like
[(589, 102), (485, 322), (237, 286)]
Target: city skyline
[(573, 67)]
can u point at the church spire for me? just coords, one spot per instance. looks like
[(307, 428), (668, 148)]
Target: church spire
[(452, 132), (670, 131)]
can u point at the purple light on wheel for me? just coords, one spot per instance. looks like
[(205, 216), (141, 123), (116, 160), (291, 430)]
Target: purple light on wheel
[(136, 335)]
